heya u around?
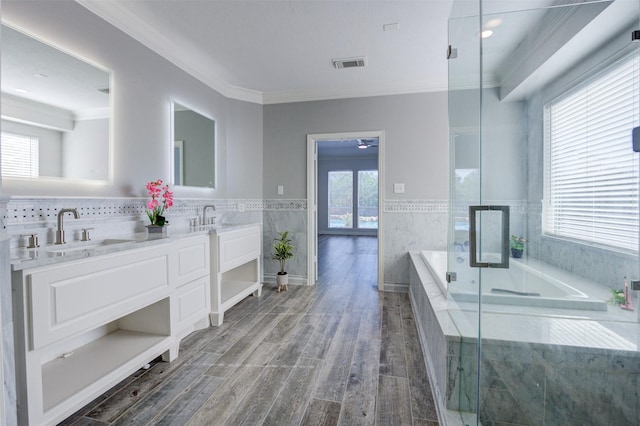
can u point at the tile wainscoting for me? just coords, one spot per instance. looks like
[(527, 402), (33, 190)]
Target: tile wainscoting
[(409, 225), (286, 215), (111, 216)]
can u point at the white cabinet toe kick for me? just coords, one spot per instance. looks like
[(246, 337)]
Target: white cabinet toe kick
[(83, 326)]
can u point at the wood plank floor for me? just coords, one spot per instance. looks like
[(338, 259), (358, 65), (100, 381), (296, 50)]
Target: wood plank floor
[(337, 353)]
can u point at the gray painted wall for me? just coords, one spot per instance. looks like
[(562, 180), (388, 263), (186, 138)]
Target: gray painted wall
[(416, 138), (416, 153)]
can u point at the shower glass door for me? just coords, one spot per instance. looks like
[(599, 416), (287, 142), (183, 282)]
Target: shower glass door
[(543, 98), (465, 151)]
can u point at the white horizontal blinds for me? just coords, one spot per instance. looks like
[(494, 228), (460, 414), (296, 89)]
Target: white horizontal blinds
[(591, 171), (19, 154)]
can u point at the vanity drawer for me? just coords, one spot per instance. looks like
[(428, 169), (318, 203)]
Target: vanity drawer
[(79, 296), (238, 247)]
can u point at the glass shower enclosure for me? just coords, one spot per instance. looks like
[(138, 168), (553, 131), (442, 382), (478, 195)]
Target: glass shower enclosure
[(542, 258)]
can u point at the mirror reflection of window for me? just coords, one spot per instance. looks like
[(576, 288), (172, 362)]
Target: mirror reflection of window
[(61, 100), (194, 137), (20, 155)]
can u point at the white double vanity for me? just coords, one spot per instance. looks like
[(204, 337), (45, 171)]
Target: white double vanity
[(89, 314)]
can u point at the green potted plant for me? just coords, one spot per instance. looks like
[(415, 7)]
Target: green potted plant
[(282, 251), (517, 246)]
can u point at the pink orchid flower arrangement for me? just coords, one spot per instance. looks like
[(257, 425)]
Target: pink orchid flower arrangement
[(161, 199)]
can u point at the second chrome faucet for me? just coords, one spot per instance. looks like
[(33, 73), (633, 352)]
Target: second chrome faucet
[(60, 231), (204, 215)]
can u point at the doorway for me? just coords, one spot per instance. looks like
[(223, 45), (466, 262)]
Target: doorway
[(341, 168)]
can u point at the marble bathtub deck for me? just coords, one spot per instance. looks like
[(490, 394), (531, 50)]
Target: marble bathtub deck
[(539, 366), (613, 329)]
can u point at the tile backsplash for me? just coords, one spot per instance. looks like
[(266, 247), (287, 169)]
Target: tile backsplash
[(110, 216)]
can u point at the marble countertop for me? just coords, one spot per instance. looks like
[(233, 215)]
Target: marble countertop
[(25, 258)]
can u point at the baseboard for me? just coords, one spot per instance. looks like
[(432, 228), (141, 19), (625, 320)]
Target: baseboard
[(351, 232), (293, 279), (396, 287)]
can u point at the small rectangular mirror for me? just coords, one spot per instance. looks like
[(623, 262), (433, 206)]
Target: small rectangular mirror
[(193, 148), (56, 112)]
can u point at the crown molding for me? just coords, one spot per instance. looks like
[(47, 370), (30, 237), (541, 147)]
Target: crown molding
[(281, 97), (120, 17)]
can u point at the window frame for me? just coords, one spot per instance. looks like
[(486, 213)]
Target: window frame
[(329, 205), (555, 215)]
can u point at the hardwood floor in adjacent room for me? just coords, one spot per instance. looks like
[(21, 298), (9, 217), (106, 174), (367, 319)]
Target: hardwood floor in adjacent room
[(339, 352)]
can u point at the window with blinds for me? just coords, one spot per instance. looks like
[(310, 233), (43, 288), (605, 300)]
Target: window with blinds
[(19, 154), (591, 171)]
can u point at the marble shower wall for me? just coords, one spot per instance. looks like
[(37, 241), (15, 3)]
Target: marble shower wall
[(607, 267)]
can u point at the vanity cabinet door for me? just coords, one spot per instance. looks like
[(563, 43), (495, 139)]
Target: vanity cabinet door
[(193, 302)]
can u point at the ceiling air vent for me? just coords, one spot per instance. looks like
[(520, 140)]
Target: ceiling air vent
[(349, 63)]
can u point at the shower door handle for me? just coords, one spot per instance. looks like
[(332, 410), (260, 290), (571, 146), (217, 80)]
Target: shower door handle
[(504, 238)]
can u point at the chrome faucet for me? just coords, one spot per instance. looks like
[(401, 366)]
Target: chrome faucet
[(204, 214), (60, 231)]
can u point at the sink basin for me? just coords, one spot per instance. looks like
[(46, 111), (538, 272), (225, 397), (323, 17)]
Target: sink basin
[(87, 245), (215, 226)]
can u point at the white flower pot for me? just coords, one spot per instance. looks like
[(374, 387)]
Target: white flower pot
[(283, 281)]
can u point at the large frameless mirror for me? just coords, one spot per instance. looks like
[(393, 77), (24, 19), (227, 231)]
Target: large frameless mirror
[(194, 148), (56, 113)]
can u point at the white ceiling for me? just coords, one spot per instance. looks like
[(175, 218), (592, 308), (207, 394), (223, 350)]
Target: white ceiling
[(281, 51), (271, 51)]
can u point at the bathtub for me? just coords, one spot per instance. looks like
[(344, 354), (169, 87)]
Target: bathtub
[(520, 285), (540, 361)]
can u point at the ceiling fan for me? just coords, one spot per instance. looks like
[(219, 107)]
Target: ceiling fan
[(366, 143)]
